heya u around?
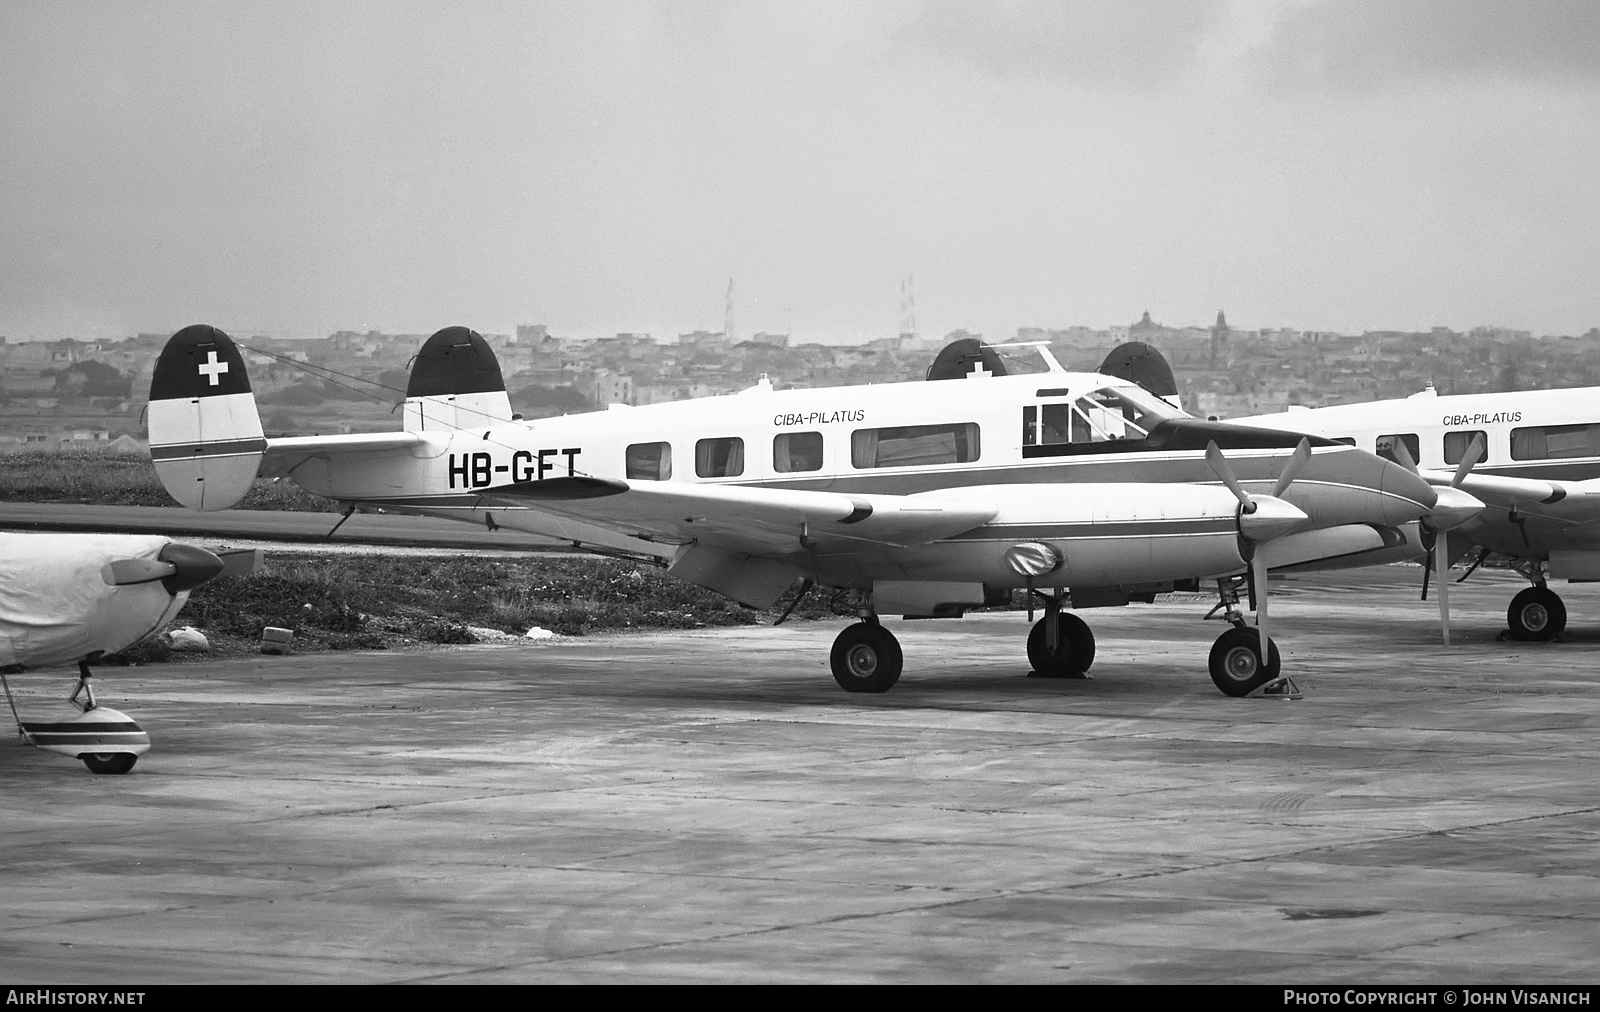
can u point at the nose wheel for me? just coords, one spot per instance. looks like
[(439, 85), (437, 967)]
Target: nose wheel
[(1237, 667), (866, 658), (1536, 614), (107, 740)]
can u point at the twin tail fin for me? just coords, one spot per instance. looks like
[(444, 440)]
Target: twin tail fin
[(205, 432), (455, 384)]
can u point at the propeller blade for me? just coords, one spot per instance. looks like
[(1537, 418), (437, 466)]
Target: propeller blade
[(1291, 470), (1223, 470), (241, 562), (127, 572), (1259, 565), (1474, 455), (1441, 553), (1402, 456), (1427, 570)]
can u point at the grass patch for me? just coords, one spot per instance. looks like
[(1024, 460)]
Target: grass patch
[(109, 478), (372, 602)]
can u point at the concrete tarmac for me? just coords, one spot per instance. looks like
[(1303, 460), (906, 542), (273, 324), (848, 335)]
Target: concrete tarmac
[(708, 806)]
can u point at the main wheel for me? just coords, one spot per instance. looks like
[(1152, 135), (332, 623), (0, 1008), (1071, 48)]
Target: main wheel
[(1536, 614), (1236, 666), (866, 658), (1074, 650), (109, 762)]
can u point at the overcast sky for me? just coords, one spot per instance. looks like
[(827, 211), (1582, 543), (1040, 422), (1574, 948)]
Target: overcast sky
[(296, 169)]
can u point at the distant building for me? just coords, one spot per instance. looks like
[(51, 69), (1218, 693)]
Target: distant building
[(602, 387)]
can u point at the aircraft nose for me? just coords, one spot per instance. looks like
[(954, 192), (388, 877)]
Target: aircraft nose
[(1407, 497), (192, 567)]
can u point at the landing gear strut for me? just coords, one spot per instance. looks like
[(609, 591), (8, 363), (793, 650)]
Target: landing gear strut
[(1061, 644), (866, 658), (1237, 666)]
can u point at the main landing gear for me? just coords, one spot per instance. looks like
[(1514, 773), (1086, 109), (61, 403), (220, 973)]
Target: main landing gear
[(1536, 614), (866, 657), (1060, 644), (1237, 667)]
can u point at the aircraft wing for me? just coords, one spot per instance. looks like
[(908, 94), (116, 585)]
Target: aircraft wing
[(286, 453), (765, 522), (1573, 502)]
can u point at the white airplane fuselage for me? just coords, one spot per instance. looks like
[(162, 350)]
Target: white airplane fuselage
[(1534, 434), (976, 436)]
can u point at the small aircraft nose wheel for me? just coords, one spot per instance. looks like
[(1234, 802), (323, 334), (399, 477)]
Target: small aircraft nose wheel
[(866, 658), (109, 762), (1236, 666), (1536, 614), (1074, 650)]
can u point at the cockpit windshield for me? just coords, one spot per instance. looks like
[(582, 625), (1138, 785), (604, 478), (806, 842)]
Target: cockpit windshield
[(1118, 412), (1122, 413)]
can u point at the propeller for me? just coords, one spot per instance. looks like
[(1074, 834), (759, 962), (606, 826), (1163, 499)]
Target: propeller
[(1261, 519), (181, 567), (1453, 508)]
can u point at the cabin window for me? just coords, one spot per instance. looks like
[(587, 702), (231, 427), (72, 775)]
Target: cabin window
[(719, 458), (1346, 440), (650, 461), (797, 451), (1385, 447), (1543, 442), (1456, 444), (915, 445)]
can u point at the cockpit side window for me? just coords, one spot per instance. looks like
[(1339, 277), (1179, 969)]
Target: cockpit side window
[(1052, 424)]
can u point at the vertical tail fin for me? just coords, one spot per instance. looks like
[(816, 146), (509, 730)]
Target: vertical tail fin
[(456, 384), (205, 434)]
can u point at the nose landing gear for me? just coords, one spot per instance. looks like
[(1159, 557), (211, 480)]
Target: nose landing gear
[(107, 740), (1537, 613), (1236, 663)]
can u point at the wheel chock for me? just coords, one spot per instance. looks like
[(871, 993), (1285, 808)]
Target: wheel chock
[(1282, 687)]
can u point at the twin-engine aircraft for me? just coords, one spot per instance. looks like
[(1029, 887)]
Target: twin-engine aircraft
[(1533, 457), (73, 598), (924, 498)]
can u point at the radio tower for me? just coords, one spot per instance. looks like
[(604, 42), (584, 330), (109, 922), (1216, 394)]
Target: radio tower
[(908, 308), (727, 315)]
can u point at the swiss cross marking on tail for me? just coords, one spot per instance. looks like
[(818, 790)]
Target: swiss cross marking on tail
[(212, 369)]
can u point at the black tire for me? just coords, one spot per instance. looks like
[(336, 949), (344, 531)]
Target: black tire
[(109, 762), (1536, 614), (1236, 666), (1074, 647), (866, 658)]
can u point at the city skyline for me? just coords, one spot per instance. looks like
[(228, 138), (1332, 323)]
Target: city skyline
[(303, 169)]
